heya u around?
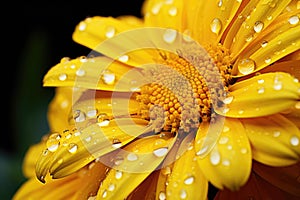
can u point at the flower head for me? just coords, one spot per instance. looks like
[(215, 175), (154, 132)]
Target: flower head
[(193, 93)]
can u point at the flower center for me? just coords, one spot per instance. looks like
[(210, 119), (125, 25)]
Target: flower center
[(184, 87)]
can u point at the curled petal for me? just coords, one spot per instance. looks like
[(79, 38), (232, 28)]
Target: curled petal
[(261, 95), (133, 164), (228, 165), (275, 140), (72, 149)]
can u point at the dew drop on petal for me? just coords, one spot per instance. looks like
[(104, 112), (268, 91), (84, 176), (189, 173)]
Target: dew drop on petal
[(91, 113), (110, 31), (268, 60), (170, 35), (80, 72), (104, 194), (226, 162), (294, 20), (52, 144), (216, 25), (215, 157), (173, 11), (82, 26), (79, 116), (258, 26), (277, 85), (124, 58), (244, 150), (276, 133), (223, 140), (111, 187), (162, 196), (72, 148), (118, 175), (228, 100), (246, 66), (264, 44), (108, 77), (260, 90), (260, 81), (294, 141), (189, 180), (156, 8), (160, 152), (132, 157), (183, 194), (62, 77)]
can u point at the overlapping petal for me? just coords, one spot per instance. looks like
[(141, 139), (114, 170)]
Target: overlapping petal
[(222, 166), (274, 139), (261, 95)]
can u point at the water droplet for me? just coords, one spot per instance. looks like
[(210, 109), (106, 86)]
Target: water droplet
[(79, 116), (123, 58), (264, 44), (260, 90), (225, 110), (277, 85), (160, 152), (103, 120), (216, 25), (118, 175), (110, 31), (162, 196), (183, 194), (91, 113), (82, 26), (189, 180), (170, 35), (260, 81), (246, 66), (202, 151), (215, 157), (80, 72), (132, 157), (258, 26), (241, 112), (187, 36), (220, 3), (268, 60), (118, 160), (88, 139), (294, 141), (104, 194), (111, 187), (156, 8), (270, 17), (52, 144), (244, 150), (226, 162), (173, 11), (223, 140), (294, 20), (108, 77), (62, 77), (83, 59), (72, 148), (276, 133), (228, 100), (229, 147)]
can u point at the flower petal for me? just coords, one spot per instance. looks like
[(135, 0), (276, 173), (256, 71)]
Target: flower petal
[(251, 21), (102, 34), (170, 11), (293, 114), (275, 140), (279, 39), (257, 96), (138, 160), (210, 19), (72, 149), (228, 165), (285, 178), (59, 108), (93, 73), (186, 180), (255, 188)]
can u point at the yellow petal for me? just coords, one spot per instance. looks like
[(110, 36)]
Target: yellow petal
[(112, 37), (293, 114), (133, 165), (165, 14), (71, 149), (31, 157), (256, 16), (274, 139), (59, 108), (93, 73), (208, 20), (228, 165), (261, 95), (186, 180), (279, 39)]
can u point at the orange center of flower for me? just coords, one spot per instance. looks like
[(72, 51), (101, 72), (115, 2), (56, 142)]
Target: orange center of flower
[(183, 89)]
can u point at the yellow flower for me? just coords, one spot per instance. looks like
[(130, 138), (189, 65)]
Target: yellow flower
[(193, 93)]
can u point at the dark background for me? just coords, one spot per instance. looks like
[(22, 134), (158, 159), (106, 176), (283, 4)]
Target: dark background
[(35, 36)]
